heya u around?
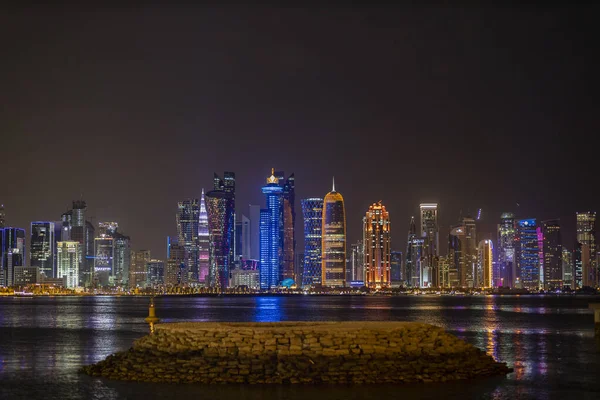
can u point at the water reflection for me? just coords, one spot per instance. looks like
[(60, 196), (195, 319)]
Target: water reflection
[(549, 342)]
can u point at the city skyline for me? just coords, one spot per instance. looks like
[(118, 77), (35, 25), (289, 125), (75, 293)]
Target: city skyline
[(508, 125)]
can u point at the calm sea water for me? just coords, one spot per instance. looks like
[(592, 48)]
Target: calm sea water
[(548, 340)]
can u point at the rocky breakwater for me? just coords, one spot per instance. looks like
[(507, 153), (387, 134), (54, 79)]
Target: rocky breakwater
[(298, 352)]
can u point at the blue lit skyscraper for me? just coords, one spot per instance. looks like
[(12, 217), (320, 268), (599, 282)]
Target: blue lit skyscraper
[(312, 211), (203, 242), (270, 219), (527, 254), (12, 253), (219, 205)]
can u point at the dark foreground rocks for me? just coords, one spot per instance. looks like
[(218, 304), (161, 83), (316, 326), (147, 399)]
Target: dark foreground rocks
[(211, 353)]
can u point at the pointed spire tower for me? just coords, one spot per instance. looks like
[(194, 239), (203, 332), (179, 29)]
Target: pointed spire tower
[(203, 241), (333, 239)]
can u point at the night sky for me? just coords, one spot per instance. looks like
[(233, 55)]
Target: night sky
[(134, 109)]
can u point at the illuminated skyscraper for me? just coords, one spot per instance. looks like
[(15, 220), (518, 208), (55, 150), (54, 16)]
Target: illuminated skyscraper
[(245, 238), (567, 268), (506, 249), (412, 272), (155, 273), (270, 234), (2, 216), (312, 211), (203, 243), (376, 239), (175, 266), (470, 249), (138, 272), (78, 234), (12, 253), (108, 228), (188, 219), (122, 261), (430, 235), (288, 225), (333, 259), (220, 208), (552, 254), (586, 237), (43, 247), (227, 185), (68, 254), (484, 273), (527, 254), (396, 263), (456, 258), (104, 269), (357, 262)]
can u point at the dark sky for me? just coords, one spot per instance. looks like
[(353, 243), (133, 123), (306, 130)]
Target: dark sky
[(135, 108)]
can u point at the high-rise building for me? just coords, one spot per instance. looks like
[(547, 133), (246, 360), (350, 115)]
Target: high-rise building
[(66, 220), (175, 267), (107, 228), (430, 234), (506, 250), (227, 185), (68, 255), (188, 219), (122, 260), (333, 258), (312, 212), (12, 253), (203, 243), (396, 268), (484, 277), (42, 252), (376, 239), (299, 264), (254, 231), (552, 254), (567, 268), (578, 252), (78, 234), (2, 216), (470, 249), (444, 272), (104, 255), (288, 225), (26, 276), (138, 271), (357, 262), (270, 234), (155, 273), (220, 207), (412, 272), (238, 241), (245, 238), (527, 254), (88, 273), (586, 236)]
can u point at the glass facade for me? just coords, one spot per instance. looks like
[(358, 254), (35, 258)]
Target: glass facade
[(376, 239), (122, 258), (552, 254), (188, 218), (527, 254), (396, 267), (42, 252), (484, 275), (270, 235), (410, 257), (586, 237), (287, 226), (220, 208), (203, 243), (12, 253), (333, 259), (506, 250), (312, 212), (104, 269), (68, 254)]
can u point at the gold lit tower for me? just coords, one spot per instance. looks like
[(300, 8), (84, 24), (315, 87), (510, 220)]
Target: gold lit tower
[(376, 231), (333, 260)]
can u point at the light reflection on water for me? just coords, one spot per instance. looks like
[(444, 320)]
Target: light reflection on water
[(548, 341)]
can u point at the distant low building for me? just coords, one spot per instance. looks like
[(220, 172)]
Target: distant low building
[(27, 275), (245, 277)]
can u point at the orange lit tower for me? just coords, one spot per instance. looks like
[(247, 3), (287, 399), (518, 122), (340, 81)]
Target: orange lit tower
[(333, 260), (376, 231)]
